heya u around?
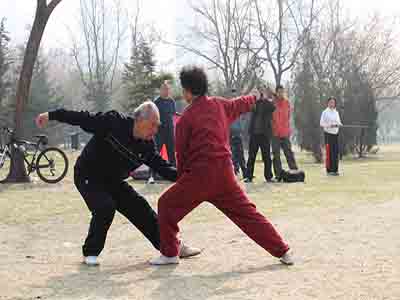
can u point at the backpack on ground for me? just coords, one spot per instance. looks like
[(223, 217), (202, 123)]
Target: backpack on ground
[(292, 176)]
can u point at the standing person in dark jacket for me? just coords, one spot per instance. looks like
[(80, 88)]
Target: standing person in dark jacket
[(238, 159), (260, 131), (165, 135), (119, 145)]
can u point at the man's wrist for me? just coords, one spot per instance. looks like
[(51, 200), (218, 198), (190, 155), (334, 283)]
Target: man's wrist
[(52, 115)]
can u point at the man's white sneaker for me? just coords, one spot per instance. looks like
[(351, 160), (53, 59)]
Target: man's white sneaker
[(186, 251), (151, 180), (287, 259), (164, 260), (90, 261)]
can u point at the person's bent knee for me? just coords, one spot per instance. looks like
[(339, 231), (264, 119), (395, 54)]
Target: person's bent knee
[(163, 203), (165, 209), (104, 211)]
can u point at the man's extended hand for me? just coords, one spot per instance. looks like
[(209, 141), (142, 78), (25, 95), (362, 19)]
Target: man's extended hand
[(257, 93), (263, 93), (42, 120)]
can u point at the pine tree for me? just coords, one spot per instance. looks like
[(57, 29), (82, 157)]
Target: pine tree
[(140, 79), (307, 108), (351, 87), (5, 62), (359, 109)]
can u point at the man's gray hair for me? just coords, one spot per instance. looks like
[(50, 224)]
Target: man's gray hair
[(146, 110)]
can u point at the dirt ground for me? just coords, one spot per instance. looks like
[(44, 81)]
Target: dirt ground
[(340, 254)]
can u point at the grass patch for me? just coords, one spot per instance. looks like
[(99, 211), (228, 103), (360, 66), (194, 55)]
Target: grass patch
[(373, 179)]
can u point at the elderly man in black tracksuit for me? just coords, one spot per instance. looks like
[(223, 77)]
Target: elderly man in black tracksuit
[(119, 145)]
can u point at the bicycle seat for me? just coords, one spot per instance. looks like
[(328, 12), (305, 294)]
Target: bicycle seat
[(41, 136)]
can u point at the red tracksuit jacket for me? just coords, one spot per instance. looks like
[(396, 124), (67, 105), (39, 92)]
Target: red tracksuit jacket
[(202, 132), (281, 118)]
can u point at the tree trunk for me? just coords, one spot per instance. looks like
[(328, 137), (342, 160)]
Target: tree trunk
[(278, 78), (18, 173)]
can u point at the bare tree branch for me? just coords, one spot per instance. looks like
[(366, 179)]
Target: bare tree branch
[(282, 44), (225, 36), (98, 57), (53, 4)]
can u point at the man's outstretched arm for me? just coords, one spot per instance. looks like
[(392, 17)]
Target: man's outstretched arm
[(98, 123), (235, 107)]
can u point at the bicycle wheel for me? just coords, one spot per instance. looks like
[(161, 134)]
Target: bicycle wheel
[(52, 165), (5, 165)]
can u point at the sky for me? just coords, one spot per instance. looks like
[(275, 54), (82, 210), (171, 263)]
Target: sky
[(165, 15), (19, 16)]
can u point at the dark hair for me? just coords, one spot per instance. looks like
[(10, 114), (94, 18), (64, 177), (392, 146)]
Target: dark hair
[(332, 98), (279, 87), (194, 79)]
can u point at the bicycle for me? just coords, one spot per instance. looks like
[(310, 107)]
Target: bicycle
[(51, 164)]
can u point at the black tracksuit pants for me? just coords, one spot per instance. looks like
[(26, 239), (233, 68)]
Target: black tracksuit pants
[(332, 152), (264, 142), (103, 201), (282, 143)]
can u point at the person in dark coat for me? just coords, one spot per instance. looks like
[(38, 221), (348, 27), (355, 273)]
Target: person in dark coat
[(165, 136), (238, 160), (260, 132)]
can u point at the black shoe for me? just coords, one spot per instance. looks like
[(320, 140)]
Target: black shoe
[(270, 180), (248, 180)]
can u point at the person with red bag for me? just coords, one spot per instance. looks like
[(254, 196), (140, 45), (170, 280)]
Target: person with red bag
[(331, 123)]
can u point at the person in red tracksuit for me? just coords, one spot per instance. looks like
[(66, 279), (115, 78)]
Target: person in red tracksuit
[(205, 171)]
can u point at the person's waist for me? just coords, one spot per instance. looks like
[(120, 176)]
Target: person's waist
[(262, 128), (166, 125), (216, 161), (280, 122), (280, 127), (168, 118), (235, 132), (102, 172), (236, 135), (333, 131), (207, 157)]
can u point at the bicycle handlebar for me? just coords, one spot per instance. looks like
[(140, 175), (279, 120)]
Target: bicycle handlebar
[(42, 140)]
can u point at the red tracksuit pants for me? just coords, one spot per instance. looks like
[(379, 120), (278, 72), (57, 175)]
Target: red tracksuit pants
[(216, 184)]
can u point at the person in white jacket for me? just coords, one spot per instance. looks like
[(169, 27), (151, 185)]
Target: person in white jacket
[(330, 122)]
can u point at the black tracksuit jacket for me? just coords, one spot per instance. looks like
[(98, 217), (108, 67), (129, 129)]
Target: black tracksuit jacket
[(112, 153)]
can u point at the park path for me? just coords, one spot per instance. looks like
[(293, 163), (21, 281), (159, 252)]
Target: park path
[(346, 253)]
